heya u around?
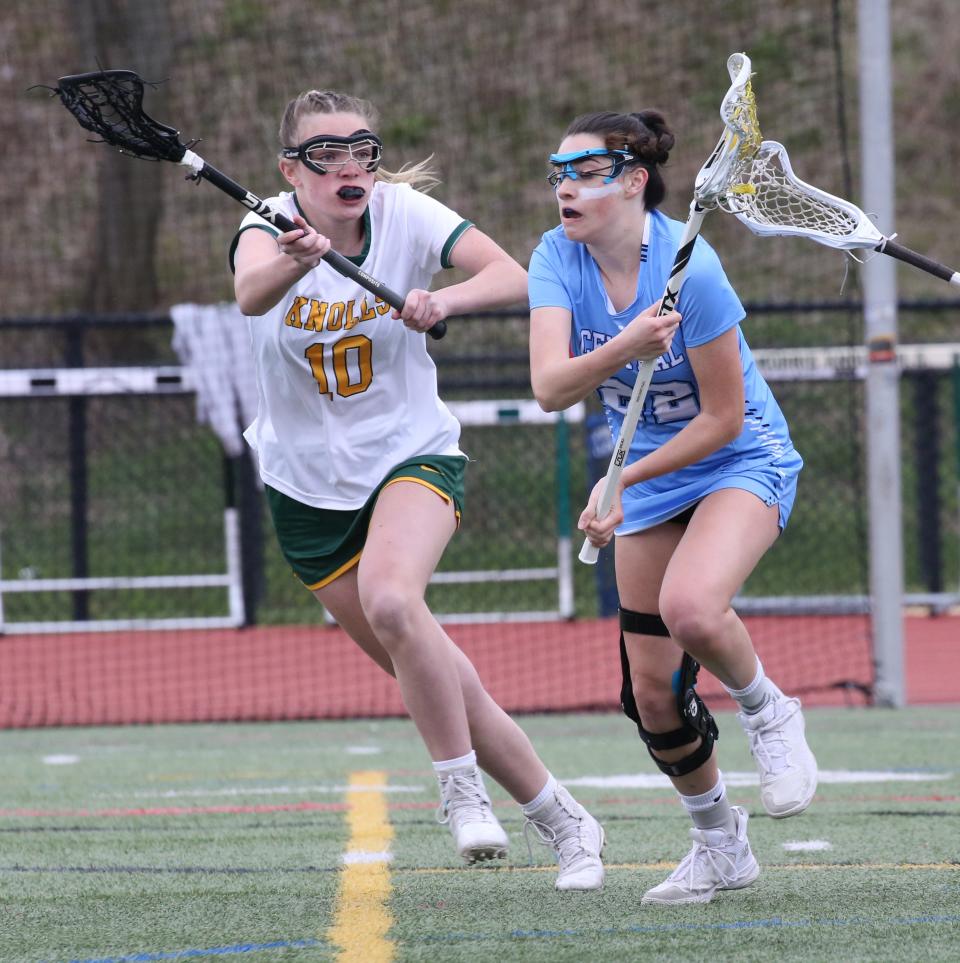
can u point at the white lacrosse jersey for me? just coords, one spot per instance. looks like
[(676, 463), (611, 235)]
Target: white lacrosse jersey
[(345, 391)]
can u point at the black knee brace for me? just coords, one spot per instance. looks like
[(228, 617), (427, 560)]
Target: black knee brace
[(695, 718)]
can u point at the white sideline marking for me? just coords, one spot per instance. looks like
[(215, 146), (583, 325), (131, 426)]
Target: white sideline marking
[(265, 791), (64, 760), (810, 846), (354, 856), (362, 750), (845, 776)]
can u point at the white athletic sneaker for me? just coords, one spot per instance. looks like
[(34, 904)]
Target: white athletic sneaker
[(788, 769), (465, 808), (574, 835), (718, 860)]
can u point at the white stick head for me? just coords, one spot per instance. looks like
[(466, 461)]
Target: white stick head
[(771, 200), (740, 140)]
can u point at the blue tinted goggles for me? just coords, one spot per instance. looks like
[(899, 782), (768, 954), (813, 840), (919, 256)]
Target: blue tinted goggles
[(593, 162)]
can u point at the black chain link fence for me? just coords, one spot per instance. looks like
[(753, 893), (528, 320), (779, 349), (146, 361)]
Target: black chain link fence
[(98, 248)]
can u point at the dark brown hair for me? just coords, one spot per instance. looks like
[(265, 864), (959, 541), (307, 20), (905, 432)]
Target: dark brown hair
[(645, 134)]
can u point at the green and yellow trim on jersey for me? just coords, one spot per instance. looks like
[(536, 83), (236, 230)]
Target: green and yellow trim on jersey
[(321, 544)]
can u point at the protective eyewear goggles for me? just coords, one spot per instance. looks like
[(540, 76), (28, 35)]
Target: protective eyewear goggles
[(327, 154), (594, 162)]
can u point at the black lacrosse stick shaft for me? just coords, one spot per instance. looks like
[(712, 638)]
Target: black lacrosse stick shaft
[(927, 264), (337, 261), (110, 103)]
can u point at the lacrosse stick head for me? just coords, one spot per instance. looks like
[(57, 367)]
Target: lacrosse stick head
[(722, 173), (779, 203), (110, 104)]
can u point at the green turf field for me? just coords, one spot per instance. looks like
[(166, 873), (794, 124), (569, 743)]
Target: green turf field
[(229, 842)]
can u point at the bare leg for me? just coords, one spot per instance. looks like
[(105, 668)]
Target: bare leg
[(718, 827), (726, 538), (503, 748), (640, 563), (408, 532), (381, 605)]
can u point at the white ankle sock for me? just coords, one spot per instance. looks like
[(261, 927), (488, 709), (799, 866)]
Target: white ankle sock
[(711, 810), (461, 762), (541, 797), (757, 694)]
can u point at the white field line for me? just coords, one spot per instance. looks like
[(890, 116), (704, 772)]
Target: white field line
[(337, 790), (809, 846), (623, 781), (356, 856), (835, 776)]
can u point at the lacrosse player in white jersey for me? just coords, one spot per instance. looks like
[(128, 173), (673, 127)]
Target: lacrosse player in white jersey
[(709, 481), (361, 458)]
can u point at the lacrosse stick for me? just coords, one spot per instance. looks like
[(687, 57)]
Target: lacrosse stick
[(718, 178), (110, 103), (779, 203)]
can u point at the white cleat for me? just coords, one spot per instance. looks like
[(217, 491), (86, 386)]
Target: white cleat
[(576, 839), (788, 769), (465, 807), (718, 860)]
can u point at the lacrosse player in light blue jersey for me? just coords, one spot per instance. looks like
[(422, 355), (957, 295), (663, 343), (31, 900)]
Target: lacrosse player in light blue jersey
[(361, 458), (708, 485)]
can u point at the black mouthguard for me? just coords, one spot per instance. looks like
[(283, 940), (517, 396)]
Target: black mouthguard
[(351, 193)]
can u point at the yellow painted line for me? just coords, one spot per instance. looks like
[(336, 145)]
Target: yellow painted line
[(362, 917)]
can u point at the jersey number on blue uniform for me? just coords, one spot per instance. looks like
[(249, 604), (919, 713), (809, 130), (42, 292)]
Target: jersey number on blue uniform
[(666, 401)]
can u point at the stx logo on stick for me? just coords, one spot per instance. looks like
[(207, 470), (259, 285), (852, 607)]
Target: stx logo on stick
[(258, 206)]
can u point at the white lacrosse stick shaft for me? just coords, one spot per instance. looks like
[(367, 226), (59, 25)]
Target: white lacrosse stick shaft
[(589, 552), (712, 181)]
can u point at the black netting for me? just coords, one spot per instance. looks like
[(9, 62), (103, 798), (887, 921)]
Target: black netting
[(132, 486)]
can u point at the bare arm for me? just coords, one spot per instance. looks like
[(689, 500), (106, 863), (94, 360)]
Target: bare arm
[(719, 373), (495, 280), (560, 380), (267, 267)]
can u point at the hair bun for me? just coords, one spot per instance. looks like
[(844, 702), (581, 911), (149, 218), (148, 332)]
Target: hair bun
[(655, 148)]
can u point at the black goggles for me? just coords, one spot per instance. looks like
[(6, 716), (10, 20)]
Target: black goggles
[(325, 153)]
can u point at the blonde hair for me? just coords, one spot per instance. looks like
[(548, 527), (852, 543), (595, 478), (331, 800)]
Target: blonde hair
[(420, 176)]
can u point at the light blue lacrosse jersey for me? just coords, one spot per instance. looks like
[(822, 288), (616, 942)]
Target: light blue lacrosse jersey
[(762, 459)]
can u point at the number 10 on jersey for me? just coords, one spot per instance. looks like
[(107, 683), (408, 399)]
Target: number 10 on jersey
[(351, 361)]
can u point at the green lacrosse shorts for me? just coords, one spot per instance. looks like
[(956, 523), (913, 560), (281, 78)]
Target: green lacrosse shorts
[(321, 544)]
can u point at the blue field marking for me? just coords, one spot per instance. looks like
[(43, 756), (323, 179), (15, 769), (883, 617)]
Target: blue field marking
[(209, 951)]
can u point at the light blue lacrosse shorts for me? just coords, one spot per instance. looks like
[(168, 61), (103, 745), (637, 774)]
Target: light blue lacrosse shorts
[(773, 482)]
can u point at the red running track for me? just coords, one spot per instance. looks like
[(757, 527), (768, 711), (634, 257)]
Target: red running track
[(307, 672)]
